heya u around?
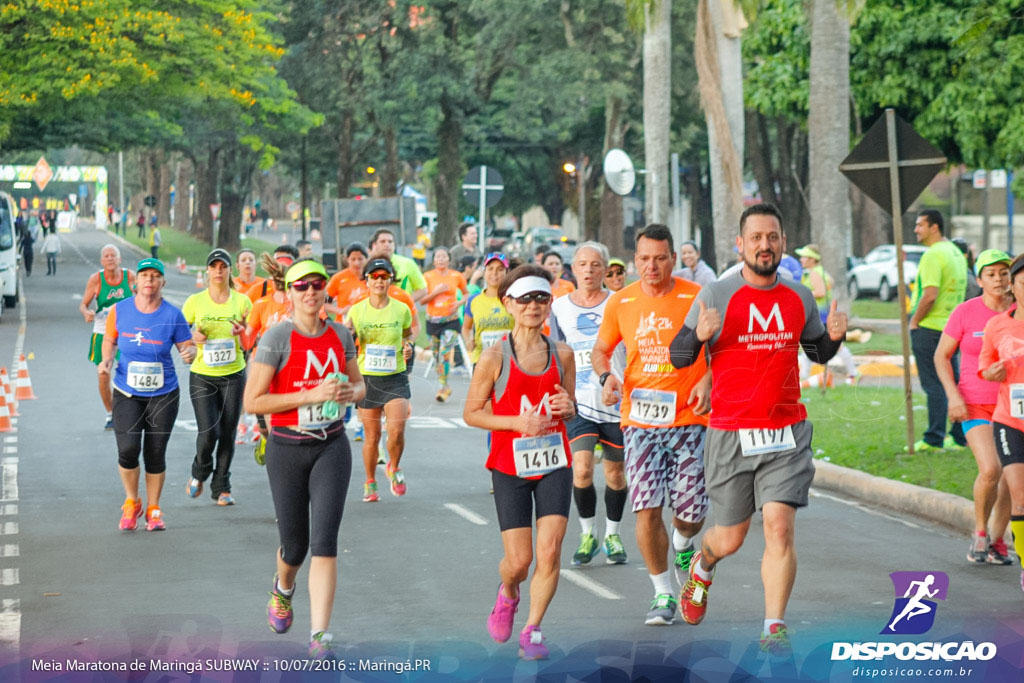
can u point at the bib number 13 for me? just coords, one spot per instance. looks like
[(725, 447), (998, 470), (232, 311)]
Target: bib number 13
[(1017, 401)]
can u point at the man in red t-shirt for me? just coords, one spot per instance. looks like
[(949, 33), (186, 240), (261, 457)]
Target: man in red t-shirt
[(758, 448)]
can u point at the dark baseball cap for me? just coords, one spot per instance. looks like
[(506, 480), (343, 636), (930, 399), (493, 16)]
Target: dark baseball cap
[(219, 255), (376, 264)]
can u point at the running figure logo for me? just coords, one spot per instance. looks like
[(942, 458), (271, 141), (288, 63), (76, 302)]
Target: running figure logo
[(914, 612)]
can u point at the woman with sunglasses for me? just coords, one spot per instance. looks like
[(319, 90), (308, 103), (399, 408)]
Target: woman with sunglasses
[(522, 394), (443, 326), (486, 321), (304, 367), (615, 278), (218, 375), (383, 328)]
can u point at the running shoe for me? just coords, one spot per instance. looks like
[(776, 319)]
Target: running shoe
[(998, 553), (359, 433), (130, 513), (110, 422), (255, 437), (950, 444), (531, 644), (279, 610), (613, 549), (154, 519), (370, 494), (240, 437), (978, 552), (923, 446), (443, 394), (684, 558), (598, 453), (587, 549), (320, 646), (193, 488), (225, 499), (776, 641), (663, 610), (499, 624), (694, 597), (260, 452), (397, 480)]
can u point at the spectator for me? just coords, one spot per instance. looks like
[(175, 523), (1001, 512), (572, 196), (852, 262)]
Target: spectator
[(154, 241), (51, 247), (467, 244), (694, 268), (141, 223), (973, 288), (305, 248), (27, 240)]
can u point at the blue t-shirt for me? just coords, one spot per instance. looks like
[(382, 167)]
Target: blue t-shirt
[(145, 366)]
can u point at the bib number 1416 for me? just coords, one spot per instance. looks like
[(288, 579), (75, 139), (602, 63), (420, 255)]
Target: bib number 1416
[(538, 455)]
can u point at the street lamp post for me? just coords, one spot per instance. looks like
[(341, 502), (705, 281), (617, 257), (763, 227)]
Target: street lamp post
[(578, 170)]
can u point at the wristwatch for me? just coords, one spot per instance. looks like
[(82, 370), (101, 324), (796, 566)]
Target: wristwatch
[(603, 378)]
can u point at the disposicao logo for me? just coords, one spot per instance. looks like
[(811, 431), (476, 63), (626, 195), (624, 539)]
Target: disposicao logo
[(913, 614)]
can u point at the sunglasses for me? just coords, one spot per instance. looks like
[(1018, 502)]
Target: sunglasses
[(303, 285), (615, 272), (379, 275), (540, 297)]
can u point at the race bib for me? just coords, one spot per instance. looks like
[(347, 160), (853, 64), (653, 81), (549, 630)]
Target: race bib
[(380, 359), (489, 339), (145, 376), (582, 350), (761, 441), (652, 407), (538, 455), (311, 416), (219, 352), (1017, 401)]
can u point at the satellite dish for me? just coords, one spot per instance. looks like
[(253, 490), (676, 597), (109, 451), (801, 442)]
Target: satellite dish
[(619, 172)]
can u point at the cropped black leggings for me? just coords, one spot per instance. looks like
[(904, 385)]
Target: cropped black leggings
[(149, 416), (308, 482)]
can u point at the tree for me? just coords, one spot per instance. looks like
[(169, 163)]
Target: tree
[(657, 51)]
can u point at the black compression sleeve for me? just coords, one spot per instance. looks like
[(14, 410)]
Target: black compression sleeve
[(822, 349), (684, 348)]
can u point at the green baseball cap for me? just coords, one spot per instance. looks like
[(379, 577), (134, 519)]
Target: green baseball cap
[(809, 251), (155, 264), (302, 268), (616, 262), (990, 257)]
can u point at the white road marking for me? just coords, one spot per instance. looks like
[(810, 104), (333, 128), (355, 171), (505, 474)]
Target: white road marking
[(9, 529), (8, 509), (9, 460), (600, 590), (10, 449), (425, 422), (9, 577), (10, 624), (466, 514), (10, 550), (818, 494), (10, 439), (76, 296), (9, 482)]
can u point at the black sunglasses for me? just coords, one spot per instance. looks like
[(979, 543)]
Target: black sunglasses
[(615, 272), (540, 297)]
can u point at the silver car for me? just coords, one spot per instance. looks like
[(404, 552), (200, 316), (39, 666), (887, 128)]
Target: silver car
[(876, 274)]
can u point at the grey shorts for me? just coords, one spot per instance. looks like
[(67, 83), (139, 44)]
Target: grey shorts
[(739, 485)]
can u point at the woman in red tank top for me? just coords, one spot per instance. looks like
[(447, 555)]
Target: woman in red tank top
[(522, 393)]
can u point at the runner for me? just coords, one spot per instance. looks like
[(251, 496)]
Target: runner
[(304, 367), (145, 388), (486, 321), (814, 278), (247, 278), (286, 255), (663, 409), (575, 320), (521, 393), (342, 283), (615, 278), (382, 327), (758, 448), (553, 264), (217, 315), (973, 400), (443, 326), (408, 275), (106, 288), (999, 362)]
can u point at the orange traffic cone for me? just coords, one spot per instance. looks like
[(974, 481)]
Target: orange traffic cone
[(199, 279), (23, 385), (182, 266), (8, 392), (821, 379), (5, 415)]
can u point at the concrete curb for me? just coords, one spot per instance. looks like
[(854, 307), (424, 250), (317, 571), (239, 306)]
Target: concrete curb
[(942, 508)]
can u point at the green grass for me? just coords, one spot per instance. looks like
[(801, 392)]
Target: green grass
[(873, 308), (862, 427), (194, 251), (889, 343)]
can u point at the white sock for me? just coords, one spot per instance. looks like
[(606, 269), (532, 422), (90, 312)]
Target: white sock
[(768, 624), (704, 574), (680, 542), (325, 638), (286, 593), (610, 527), (587, 524), (662, 583)]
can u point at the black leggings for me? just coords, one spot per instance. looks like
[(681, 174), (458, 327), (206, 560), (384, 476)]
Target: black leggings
[(217, 402), (308, 482), (154, 415)]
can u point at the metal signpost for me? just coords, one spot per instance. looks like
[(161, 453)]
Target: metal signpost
[(892, 165), (484, 187)]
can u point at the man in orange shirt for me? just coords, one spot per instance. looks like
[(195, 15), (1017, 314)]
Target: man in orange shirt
[(443, 324), (663, 411)]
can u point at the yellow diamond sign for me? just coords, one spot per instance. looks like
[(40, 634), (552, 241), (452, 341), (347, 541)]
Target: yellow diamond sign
[(42, 173)]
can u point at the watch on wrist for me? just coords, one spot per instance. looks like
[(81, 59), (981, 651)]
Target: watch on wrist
[(604, 377)]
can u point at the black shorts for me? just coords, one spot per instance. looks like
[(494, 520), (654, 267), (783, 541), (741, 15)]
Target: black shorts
[(381, 389), (437, 329), (584, 435), (1009, 444), (514, 497)]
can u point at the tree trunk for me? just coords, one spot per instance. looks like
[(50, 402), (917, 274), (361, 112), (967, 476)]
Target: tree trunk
[(163, 198), (657, 107), (392, 171), (346, 157), (231, 204), (760, 156), (206, 194), (449, 172), (610, 220), (828, 128), (182, 205)]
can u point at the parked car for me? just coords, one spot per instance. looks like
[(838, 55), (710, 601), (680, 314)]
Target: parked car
[(876, 274)]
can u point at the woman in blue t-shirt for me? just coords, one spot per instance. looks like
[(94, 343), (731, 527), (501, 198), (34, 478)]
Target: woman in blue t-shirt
[(144, 328)]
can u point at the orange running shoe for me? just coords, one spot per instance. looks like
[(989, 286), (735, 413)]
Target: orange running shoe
[(130, 513), (154, 519)]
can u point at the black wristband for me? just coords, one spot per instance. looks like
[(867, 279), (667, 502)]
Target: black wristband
[(603, 378)]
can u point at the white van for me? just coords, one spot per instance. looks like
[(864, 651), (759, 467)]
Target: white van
[(8, 252)]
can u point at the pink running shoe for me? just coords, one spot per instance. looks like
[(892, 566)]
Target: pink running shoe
[(499, 624), (154, 519), (531, 644), (130, 513)]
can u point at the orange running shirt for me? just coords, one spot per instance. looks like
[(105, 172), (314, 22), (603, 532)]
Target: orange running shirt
[(244, 287), (561, 288), (356, 291), (267, 312), (646, 326), (339, 284), (1004, 340), (444, 306)]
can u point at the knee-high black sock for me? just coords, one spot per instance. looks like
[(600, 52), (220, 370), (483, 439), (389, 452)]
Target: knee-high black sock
[(614, 503), (586, 501)]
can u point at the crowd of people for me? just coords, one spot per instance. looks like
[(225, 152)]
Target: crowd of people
[(684, 385)]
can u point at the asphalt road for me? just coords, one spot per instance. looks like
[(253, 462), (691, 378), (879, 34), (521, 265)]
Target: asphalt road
[(418, 574)]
